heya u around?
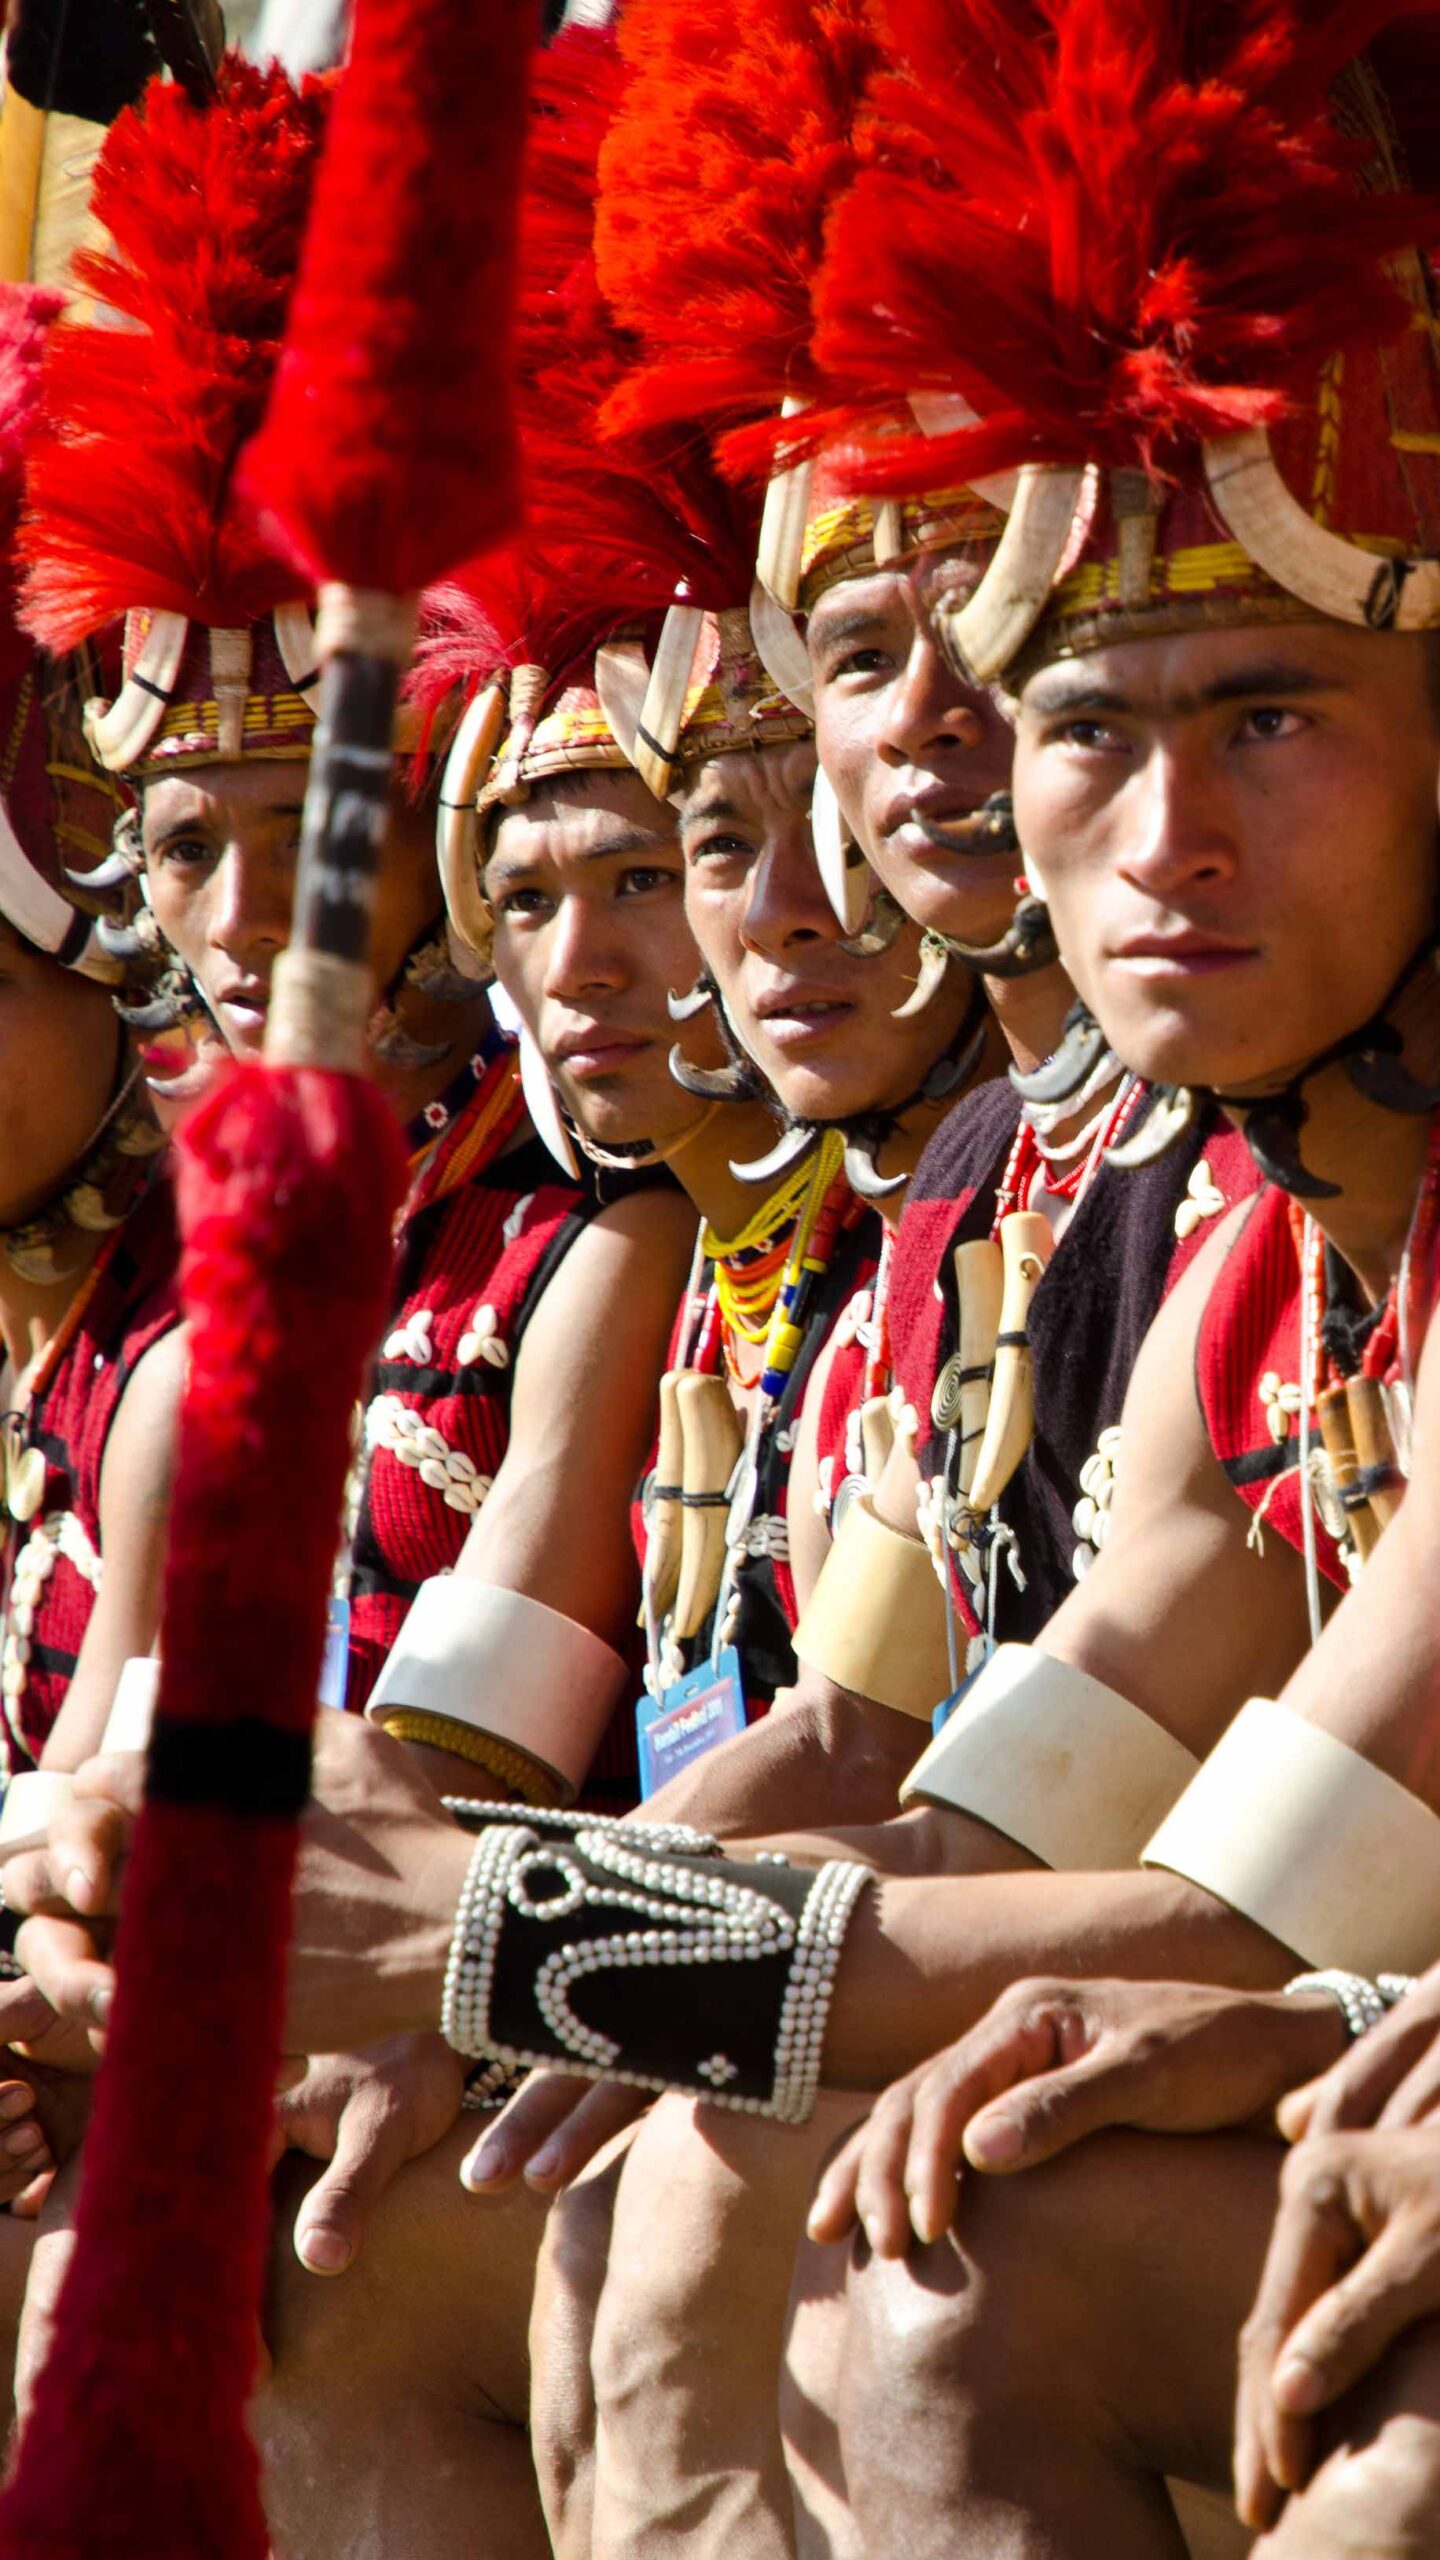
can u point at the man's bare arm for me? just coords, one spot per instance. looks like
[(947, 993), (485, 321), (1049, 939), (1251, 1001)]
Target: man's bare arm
[(555, 1525), (135, 1483)]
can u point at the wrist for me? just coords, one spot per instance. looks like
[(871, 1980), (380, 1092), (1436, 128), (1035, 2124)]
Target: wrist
[(1316, 2030), (439, 1885)]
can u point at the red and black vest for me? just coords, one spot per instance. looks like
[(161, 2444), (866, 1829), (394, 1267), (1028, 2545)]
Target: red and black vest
[(53, 1560), (1112, 1267), (471, 1267), (1247, 1374)]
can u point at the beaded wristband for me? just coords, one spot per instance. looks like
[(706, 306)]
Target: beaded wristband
[(1360, 2003), (607, 1914)]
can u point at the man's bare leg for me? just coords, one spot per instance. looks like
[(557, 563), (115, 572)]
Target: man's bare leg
[(568, 2284), (810, 2385), (1021, 2390), (394, 2421), (691, 2329), (1376, 2496)]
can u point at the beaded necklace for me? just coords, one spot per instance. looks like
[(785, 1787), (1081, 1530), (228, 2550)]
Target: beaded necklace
[(749, 1270), (1031, 1163)]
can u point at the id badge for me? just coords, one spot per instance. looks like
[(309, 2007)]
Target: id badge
[(335, 1661), (688, 1719)]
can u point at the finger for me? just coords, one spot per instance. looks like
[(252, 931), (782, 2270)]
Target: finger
[(603, 2111), (1414, 2100), (881, 2200), (25, 2013), (27, 2205), (521, 2128), (59, 1955), (832, 2214), (1349, 2328), (1313, 2241), (24, 2152), (77, 1868), (1355, 2090), (371, 2143)]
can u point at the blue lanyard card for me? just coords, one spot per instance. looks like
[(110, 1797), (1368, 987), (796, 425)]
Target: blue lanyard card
[(335, 1662), (688, 1719)]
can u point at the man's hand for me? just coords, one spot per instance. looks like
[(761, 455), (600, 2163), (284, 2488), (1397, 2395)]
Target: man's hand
[(1354, 2259), (366, 2114), (1052, 2062), (549, 2131), (1390, 2077), (378, 1885)]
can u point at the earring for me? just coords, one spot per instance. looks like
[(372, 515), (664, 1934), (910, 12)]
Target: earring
[(543, 1104), (844, 871)]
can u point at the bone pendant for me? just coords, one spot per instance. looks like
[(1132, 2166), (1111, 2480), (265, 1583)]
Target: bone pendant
[(1338, 1440), (979, 1287), (1373, 1444), (877, 1437), (663, 1529), (1026, 1243), (710, 1436)]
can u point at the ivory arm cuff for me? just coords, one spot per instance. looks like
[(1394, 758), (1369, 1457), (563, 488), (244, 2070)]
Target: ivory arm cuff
[(1062, 1765), (490, 1661), (875, 1621), (1312, 1842)]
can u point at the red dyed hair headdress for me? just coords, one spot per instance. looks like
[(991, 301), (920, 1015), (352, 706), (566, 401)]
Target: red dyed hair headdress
[(593, 640), (55, 820), (1161, 258), (134, 510)]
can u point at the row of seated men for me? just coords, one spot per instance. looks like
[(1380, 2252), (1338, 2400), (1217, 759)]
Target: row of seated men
[(864, 1928)]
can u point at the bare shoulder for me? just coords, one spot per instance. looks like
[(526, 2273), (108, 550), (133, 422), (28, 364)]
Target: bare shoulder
[(140, 1452), (658, 1220)]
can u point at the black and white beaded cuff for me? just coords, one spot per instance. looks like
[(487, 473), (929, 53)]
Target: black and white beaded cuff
[(480, 1813), (628, 1953)]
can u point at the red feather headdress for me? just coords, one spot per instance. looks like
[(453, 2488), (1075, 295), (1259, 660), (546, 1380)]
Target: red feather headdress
[(131, 470), (135, 509), (618, 529), (26, 312), (56, 815), (1132, 237), (742, 128), (1113, 228), (732, 143)]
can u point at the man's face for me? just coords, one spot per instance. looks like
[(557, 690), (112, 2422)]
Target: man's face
[(586, 885), (818, 1021), (908, 748), (221, 845), (1236, 834)]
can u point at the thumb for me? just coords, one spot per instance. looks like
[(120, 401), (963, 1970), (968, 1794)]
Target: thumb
[(371, 2143)]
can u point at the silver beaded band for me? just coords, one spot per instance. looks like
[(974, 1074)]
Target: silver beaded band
[(610, 1914), (1361, 2004)]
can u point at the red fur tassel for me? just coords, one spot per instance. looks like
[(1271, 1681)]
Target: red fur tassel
[(131, 496), (385, 455), (136, 2445), (1113, 227)]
